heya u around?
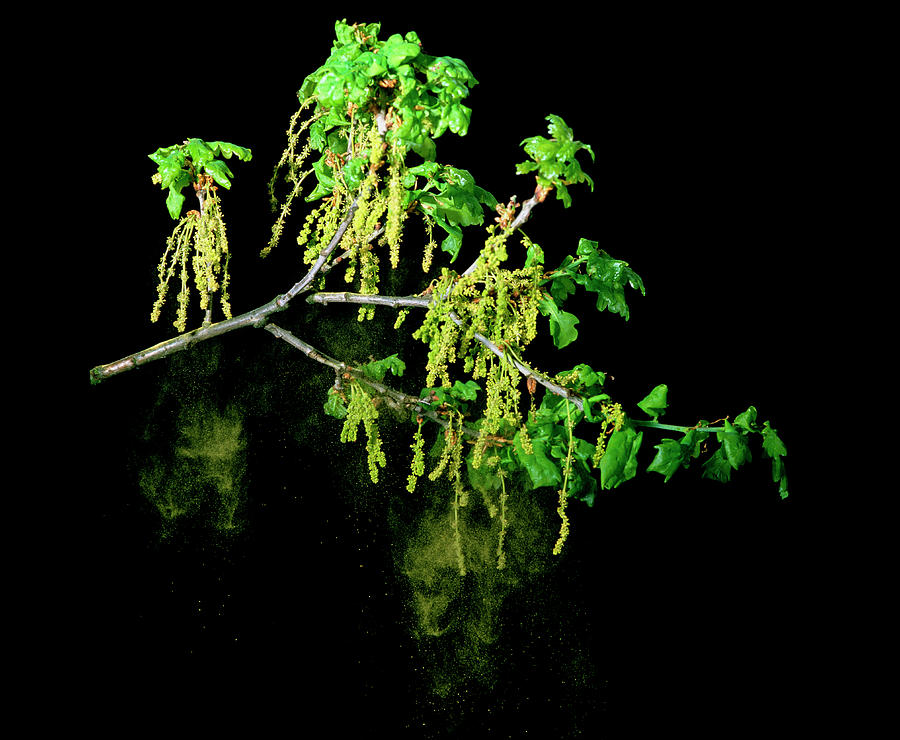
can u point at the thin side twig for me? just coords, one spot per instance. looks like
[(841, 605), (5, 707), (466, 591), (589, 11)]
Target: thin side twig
[(256, 317), (396, 399), (424, 302)]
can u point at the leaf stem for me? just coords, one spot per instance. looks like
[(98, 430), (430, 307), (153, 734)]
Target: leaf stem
[(674, 427)]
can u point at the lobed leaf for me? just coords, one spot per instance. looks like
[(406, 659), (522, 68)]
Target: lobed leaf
[(654, 403), (619, 461)]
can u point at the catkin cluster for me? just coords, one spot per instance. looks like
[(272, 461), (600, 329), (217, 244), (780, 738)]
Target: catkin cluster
[(483, 319), (368, 172), (361, 410), (197, 244)]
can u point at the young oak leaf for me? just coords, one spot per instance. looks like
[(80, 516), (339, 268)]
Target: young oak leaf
[(619, 461), (670, 454), (562, 323), (654, 403)]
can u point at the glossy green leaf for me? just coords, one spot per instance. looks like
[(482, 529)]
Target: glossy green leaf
[(607, 277), (772, 443), (654, 403), (227, 149), (746, 420), (694, 440), (541, 469), (467, 391), (670, 456), (619, 461), (334, 406), (199, 152), (354, 172), (554, 159), (325, 180), (734, 446), (534, 255), (163, 153), (396, 50), (377, 369), (783, 487), (219, 172), (592, 410), (174, 202), (717, 467), (562, 323), (561, 288), (775, 449)]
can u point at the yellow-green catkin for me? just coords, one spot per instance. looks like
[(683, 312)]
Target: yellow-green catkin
[(430, 245), (563, 491), (296, 173), (395, 211), (451, 457), (178, 247), (198, 244), (296, 178), (361, 410), (564, 525), (417, 467), (368, 268), (501, 553), (614, 420), (457, 534)]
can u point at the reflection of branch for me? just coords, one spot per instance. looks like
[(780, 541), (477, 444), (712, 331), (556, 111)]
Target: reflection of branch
[(256, 318), (423, 302)]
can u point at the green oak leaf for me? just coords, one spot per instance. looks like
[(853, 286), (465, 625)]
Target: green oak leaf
[(619, 461), (654, 403), (562, 323), (670, 454), (377, 369), (746, 420), (174, 202), (717, 467), (467, 391), (219, 172), (334, 406), (542, 471), (734, 445)]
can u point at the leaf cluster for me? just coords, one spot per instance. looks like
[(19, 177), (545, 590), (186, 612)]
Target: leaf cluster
[(181, 165), (450, 198), (554, 159), (595, 271), (731, 443), (420, 94)]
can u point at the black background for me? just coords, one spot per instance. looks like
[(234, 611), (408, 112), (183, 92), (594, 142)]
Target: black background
[(689, 598)]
